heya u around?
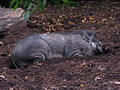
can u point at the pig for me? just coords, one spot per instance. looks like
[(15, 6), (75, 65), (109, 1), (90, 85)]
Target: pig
[(40, 47)]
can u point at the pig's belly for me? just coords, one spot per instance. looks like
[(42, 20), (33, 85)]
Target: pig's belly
[(56, 45), (56, 49)]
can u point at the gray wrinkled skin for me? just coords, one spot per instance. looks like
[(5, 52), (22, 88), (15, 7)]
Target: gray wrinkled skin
[(65, 45)]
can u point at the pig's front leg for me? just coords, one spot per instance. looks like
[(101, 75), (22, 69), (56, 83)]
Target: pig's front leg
[(77, 54)]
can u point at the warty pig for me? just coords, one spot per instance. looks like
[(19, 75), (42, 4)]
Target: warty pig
[(45, 46)]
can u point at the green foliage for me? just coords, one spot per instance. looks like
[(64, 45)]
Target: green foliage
[(57, 2), (31, 5), (42, 4), (27, 15), (66, 1), (28, 5)]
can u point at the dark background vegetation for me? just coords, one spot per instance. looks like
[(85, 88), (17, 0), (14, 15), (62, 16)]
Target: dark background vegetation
[(6, 3)]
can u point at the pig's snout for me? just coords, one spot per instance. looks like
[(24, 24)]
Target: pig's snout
[(102, 50), (105, 49)]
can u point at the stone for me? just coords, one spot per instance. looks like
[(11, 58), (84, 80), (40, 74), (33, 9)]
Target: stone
[(9, 18)]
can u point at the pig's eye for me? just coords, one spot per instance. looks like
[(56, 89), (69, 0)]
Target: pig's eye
[(86, 38)]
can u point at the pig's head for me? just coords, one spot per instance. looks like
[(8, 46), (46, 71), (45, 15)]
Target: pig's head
[(94, 43)]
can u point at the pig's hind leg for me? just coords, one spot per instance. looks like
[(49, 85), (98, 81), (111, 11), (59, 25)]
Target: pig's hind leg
[(38, 55)]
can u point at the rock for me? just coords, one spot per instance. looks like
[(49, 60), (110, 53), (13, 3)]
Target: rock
[(8, 18)]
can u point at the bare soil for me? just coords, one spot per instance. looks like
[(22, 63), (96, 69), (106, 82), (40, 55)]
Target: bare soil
[(101, 72)]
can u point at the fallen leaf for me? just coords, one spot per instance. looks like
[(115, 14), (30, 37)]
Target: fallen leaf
[(82, 64), (1, 43), (101, 68), (92, 19), (117, 83), (1, 76), (97, 78), (82, 85), (70, 23), (84, 20), (104, 19), (39, 64)]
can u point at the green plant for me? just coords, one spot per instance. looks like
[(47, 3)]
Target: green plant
[(57, 2), (71, 3), (42, 4), (30, 6), (66, 1)]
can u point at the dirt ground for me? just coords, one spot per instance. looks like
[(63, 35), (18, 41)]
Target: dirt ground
[(101, 72)]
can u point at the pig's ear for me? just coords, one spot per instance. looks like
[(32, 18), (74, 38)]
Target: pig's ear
[(91, 38), (85, 34)]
